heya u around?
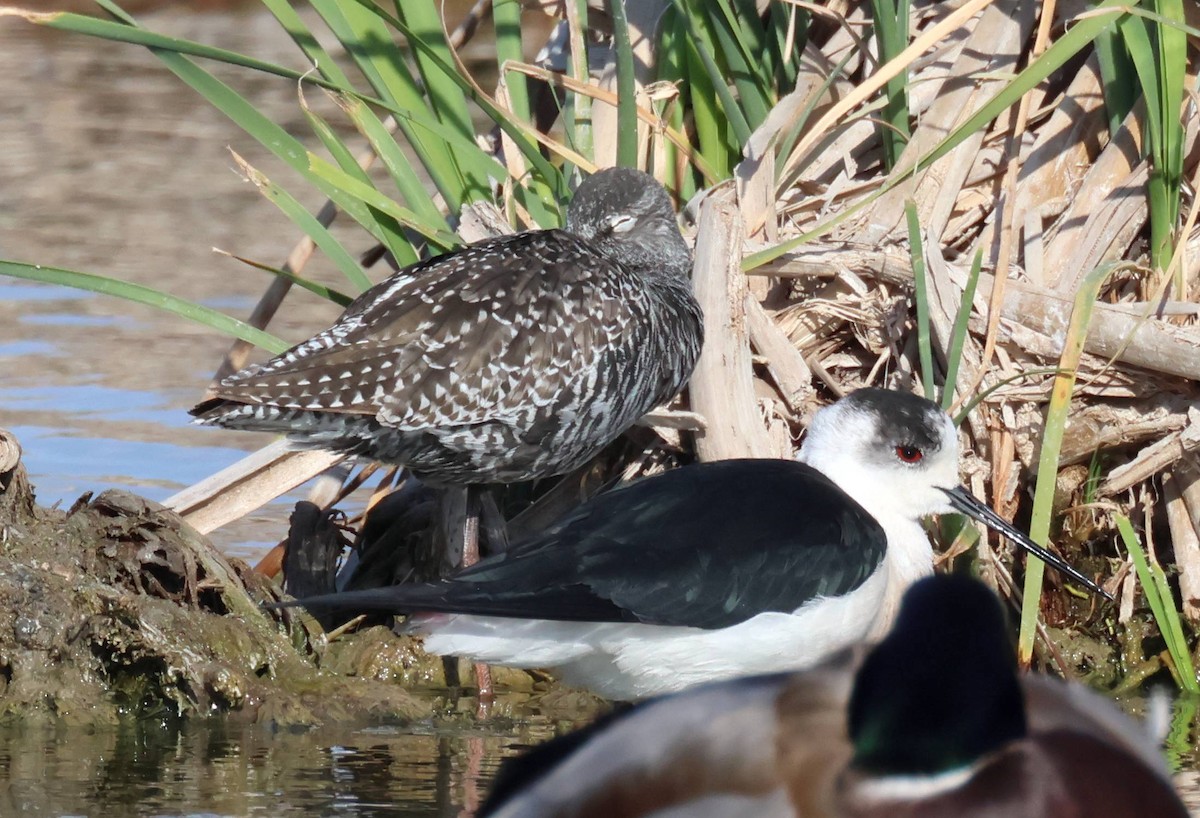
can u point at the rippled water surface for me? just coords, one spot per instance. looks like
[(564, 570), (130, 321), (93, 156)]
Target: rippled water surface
[(210, 769)]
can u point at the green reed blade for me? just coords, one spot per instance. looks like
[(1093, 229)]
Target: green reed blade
[(141, 294)]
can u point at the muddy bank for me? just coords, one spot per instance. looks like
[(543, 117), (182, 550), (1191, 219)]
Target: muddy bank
[(115, 606)]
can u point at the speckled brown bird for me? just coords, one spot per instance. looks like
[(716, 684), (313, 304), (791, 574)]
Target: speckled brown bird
[(514, 358)]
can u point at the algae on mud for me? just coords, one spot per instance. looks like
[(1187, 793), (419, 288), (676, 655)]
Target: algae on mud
[(116, 606)]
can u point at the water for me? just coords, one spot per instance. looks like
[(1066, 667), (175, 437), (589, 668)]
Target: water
[(215, 769)]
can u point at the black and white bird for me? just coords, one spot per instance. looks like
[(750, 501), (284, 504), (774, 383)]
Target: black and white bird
[(715, 570), (514, 358), (935, 723)]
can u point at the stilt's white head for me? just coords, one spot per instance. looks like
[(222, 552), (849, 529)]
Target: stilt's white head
[(893, 452), (896, 454)]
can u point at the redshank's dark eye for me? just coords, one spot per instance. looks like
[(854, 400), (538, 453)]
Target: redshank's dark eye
[(909, 454)]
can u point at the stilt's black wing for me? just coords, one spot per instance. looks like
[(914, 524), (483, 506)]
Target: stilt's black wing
[(570, 603), (706, 546)]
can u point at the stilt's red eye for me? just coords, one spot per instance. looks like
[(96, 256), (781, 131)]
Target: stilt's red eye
[(909, 454)]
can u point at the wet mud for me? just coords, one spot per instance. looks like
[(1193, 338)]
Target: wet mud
[(116, 606)]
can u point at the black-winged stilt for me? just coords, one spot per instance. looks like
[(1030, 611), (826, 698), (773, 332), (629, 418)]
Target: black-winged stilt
[(934, 723), (715, 570)]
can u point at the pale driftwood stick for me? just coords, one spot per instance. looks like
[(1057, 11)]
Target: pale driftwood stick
[(831, 383), (1109, 170), (1105, 425), (1032, 248), (1036, 350), (1159, 308), (1111, 227), (722, 387), (250, 483), (677, 419), (755, 175), (1188, 472), (1062, 151), (787, 365), (1184, 539), (1154, 458), (1146, 343), (1187, 479), (1150, 344), (995, 46)]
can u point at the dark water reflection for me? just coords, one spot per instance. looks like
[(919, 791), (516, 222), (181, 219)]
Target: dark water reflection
[(214, 768)]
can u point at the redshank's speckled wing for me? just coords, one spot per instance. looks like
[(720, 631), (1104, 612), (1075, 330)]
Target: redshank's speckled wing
[(451, 341)]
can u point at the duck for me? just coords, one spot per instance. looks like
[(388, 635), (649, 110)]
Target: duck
[(934, 720)]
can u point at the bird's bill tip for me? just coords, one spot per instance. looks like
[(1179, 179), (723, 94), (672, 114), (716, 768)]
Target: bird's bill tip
[(966, 503)]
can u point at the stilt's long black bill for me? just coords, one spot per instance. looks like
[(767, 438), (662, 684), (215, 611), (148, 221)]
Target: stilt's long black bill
[(973, 507)]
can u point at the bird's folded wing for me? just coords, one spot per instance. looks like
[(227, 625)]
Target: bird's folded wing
[(707, 546), (463, 335)]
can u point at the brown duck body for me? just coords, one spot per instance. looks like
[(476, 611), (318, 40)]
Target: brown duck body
[(784, 746), (514, 358)]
